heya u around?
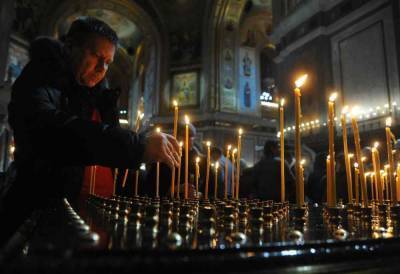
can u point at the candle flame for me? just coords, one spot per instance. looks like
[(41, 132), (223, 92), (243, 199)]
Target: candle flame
[(351, 155), (158, 130), (175, 103), (216, 165), (386, 166), (356, 165), (363, 159), (302, 162), (208, 143), (181, 144), (333, 97), (367, 174), (389, 121), (234, 150), (187, 120), (282, 102), (197, 160), (376, 144), (229, 147), (355, 111), (240, 131), (300, 81), (345, 109)]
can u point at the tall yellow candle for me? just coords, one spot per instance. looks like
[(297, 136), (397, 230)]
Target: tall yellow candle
[(158, 130), (233, 173), (136, 182), (297, 111), (226, 171), (178, 183), (356, 187), (238, 162), (377, 163), (398, 182), (369, 175), (187, 121), (282, 143), (197, 175), (331, 116), (216, 166), (328, 182), (346, 156), (389, 149), (358, 157), (175, 133), (207, 169)]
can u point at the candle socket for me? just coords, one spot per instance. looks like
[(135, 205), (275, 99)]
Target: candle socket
[(335, 216), (366, 215), (395, 213), (383, 215), (299, 216)]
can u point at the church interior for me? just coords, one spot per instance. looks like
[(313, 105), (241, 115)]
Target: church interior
[(272, 92)]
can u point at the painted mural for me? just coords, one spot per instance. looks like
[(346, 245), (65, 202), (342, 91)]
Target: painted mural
[(17, 59), (228, 94), (247, 92)]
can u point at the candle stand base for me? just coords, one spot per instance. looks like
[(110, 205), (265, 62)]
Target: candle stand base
[(299, 216)]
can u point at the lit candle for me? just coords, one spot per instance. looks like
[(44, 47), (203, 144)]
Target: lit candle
[(358, 156), (136, 182), (208, 169), (346, 156), (238, 162), (356, 187), (398, 182), (297, 108), (368, 174), (176, 113), (386, 181), (389, 148), (233, 173), (178, 184), (226, 171), (197, 175), (187, 121), (331, 115), (158, 130), (376, 164), (282, 140), (302, 178), (216, 166)]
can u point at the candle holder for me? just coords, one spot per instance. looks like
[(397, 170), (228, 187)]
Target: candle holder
[(366, 215), (395, 214), (136, 215), (268, 215), (299, 216), (256, 221), (383, 215), (334, 216)]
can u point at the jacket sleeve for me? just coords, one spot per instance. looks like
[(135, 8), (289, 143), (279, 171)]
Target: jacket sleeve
[(67, 139)]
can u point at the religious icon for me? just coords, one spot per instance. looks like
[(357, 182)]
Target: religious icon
[(185, 88), (247, 65), (228, 83), (247, 95), (228, 55)]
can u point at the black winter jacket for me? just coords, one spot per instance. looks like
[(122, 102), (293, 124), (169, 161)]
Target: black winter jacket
[(55, 138)]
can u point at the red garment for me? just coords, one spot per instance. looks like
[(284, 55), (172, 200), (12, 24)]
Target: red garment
[(103, 182)]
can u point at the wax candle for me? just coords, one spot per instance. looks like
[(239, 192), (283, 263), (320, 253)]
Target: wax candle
[(346, 156), (240, 131), (331, 115), (216, 166), (389, 149), (187, 121), (226, 171), (282, 143), (328, 182), (197, 175), (207, 169), (175, 133), (297, 107), (178, 184), (377, 170), (358, 156), (398, 182), (233, 173), (356, 187)]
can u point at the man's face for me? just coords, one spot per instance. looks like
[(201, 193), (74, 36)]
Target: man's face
[(91, 61)]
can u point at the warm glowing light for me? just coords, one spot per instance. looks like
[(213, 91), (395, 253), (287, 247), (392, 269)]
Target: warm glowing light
[(216, 165), (389, 121), (302, 162), (333, 97), (282, 102), (351, 155), (197, 160), (386, 166), (300, 81), (345, 109), (240, 131), (158, 130), (355, 111), (187, 120), (12, 149), (356, 165), (363, 159), (376, 144), (208, 143), (234, 150), (367, 174), (181, 144), (175, 103), (229, 147)]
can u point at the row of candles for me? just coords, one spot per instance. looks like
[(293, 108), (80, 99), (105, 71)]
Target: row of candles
[(360, 174), (230, 155)]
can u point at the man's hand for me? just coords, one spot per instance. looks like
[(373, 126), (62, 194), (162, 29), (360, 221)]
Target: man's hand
[(162, 147)]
